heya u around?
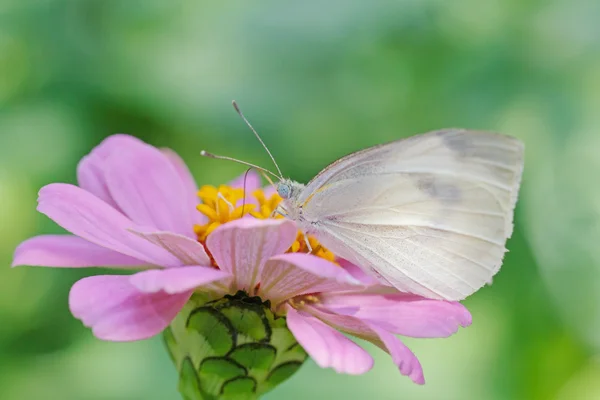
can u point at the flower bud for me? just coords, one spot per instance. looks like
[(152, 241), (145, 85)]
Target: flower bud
[(231, 348)]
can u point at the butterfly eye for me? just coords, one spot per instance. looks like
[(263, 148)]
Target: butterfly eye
[(284, 190)]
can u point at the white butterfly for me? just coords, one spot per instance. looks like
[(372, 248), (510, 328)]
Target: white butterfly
[(428, 215)]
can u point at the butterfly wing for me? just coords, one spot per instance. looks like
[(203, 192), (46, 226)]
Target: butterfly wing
[(429, 215)]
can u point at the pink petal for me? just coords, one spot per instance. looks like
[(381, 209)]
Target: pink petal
[(117, 311), (69, 251), (328, 347), (403, 314), (188, 251), (243, 246), (289, 275), (92, 168), (115, 142), (357, 272), (402, 356), (406, 361), (149, 190), (252, 181), (176, 280), (84, 215), (189, 183)]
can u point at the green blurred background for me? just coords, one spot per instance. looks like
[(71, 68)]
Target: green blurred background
[(318, 79)]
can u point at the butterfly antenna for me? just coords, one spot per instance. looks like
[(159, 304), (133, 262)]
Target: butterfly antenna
[(237, 109), (245, 179), (205, 153)]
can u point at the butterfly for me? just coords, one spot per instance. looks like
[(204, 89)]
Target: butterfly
[(429, 214)]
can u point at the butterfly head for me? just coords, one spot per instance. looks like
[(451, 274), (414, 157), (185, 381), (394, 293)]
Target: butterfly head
[(284, 189), (289, 192), (288, 189)]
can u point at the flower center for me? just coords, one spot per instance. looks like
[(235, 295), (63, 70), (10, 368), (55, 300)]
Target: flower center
[(224, 203)]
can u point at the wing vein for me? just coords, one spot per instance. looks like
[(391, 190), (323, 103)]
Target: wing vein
[(449, 271), (409, 276), (359, 211), (446, 229)]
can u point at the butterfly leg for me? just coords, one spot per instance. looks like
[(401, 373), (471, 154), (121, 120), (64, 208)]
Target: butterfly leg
[(280, 211), (276, 212), (229, 205), (308, 246)]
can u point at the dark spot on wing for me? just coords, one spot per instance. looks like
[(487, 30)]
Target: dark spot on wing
[(457, 142), (438, 189)]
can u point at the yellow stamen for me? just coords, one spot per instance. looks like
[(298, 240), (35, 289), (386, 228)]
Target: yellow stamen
[(260, 196), (295, 247), (211, 227), (241, 210), (224, 203), (222, 210), (208, 211)]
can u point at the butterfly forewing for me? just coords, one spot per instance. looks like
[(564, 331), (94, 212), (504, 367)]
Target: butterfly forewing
[(429, 215)]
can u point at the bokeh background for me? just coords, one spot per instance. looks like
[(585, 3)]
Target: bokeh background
[(318, 80)]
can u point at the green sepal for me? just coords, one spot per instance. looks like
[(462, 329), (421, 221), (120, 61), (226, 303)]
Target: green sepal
[(233, 348), (189, 385)]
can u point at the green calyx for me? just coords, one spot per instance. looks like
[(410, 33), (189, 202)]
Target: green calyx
[(233, 348)]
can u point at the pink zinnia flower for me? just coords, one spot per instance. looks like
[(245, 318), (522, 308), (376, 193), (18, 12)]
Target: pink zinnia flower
[(137, 206)]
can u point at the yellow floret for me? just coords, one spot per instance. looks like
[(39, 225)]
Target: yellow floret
[(224, 204)]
